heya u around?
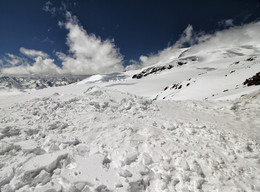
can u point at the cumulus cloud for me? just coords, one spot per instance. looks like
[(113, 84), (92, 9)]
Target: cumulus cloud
[(40, 66), (41, 63), (246, 35), (88, 54)]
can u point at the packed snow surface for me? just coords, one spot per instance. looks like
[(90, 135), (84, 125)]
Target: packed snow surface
[(114, 133)]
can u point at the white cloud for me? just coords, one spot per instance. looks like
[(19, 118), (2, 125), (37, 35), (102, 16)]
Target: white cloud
[(245, 35), (44, 66), (39, 66), (138, 64), (143, 58), (19, 65), (88, 54), (17, 70), (33, 53), (187, 38), (12, 60)]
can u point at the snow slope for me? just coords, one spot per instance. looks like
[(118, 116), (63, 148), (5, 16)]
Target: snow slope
[(115, 133), (213, 74)]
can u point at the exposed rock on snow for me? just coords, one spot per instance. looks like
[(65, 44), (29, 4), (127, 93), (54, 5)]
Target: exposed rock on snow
[(158, 69), (151, 70), (255, 80)]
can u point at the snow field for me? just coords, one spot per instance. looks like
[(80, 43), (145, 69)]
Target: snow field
[(106, 140)]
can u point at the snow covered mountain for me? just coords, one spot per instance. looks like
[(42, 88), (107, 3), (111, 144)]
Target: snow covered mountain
[(194, 74), (190, 123)]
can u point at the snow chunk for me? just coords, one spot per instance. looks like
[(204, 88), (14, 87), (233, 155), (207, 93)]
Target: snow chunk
[(52, 186), (125, 173), (5, 147), (47, 162), (27, 145), (6, 176), (147, 160), (43, 178), (9, 132), (57, 125), (130, 158), (137, 186)]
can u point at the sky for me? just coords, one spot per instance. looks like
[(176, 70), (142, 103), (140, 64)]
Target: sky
[(101, 36)]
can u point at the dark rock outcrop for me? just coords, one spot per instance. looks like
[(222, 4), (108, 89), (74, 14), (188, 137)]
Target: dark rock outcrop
[(151, 70), (255, 80)]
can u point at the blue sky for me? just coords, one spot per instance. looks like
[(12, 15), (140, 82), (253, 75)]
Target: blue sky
[(133, 28)]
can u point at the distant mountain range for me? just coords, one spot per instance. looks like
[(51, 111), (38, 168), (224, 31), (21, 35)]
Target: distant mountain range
[(36, 82)]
